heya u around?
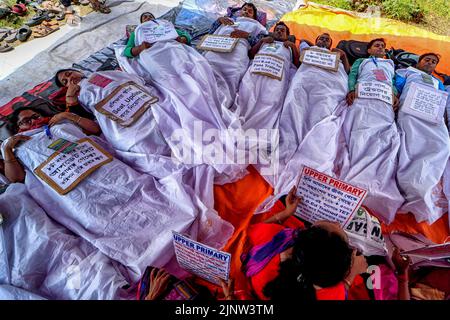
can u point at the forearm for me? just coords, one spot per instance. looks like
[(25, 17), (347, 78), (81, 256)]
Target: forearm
[(346, 64), (13, 169), (279, 218), (88, 126), (135, 51), (403, 287), (295, 56), (254, 50)]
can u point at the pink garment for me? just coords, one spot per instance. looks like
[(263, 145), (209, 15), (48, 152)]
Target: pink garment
[(388, 284)]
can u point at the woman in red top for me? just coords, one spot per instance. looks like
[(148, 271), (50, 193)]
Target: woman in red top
[(314, 263)]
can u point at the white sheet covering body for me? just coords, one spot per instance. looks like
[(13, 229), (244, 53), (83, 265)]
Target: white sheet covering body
[(373, 141), (260, 97), (423, 156), (141, 145), (127, 215), (189, 104), (233, 65), (310, 126), (41, 256)]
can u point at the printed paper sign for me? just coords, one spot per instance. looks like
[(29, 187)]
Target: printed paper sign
[(375, 90), (203, 261), (438, 251), (100, 81), (126, 103), (64, 171), (327, 198), (217, 43), (364, 232), (268, 65), (320, 58), (158, 31), (425, 102)]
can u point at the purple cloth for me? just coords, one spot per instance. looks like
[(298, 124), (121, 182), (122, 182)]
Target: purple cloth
[(259, 256)]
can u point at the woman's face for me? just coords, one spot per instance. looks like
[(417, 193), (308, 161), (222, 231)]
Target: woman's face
[(378, 49), (70, 76), (247, 11), (27, 119), (147, 17)]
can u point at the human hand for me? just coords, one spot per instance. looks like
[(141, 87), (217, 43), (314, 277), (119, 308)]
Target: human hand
[(159, 279), (267, 40), (182, 40), (351, 97), (72, 89), (239, 34), (60, 117), (145, 45), (225, 21), (401, 263), (292, 202), (288, 44), (228, 289), (359, 264), (14, 140)]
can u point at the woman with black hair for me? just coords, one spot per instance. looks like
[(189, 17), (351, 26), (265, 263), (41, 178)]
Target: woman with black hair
[(231, 66), (297, 263)]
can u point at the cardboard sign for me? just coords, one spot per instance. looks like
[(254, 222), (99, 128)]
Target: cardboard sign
[(425, 102), (375, 90), (364, 232), (217, 43), (327, 198), (320, 58), (64, 171), (268, 65), (203, 261), (154, 31), (126, 103)]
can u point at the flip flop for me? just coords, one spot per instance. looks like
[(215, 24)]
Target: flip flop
[(50, 23), (23, 33), (43, 31), (19, 9), (5, 48)]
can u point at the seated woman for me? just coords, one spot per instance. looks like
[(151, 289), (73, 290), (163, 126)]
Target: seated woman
[(424, 146), (371, 136), (53, 262), (135, 136), (127, 215), (303, 264), (261, 97), (189, 93), (231, 66)]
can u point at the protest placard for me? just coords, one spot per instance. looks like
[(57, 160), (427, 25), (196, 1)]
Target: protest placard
[(320, 58), (126, 103), (327, 198), (201, 260), (375, 90), (217, 43), (268, 65), (425, 102), (64, 171)]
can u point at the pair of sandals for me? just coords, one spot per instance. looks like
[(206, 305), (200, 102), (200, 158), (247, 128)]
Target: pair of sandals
[(100, 7), (21, 34), (45, 29)]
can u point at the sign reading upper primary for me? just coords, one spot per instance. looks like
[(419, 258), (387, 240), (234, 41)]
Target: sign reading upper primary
[(327, 198), (64, 171), (126, 103), (217, 43), (320, 58), (375, 90), (425, 102), (268, 65), (201, 260)]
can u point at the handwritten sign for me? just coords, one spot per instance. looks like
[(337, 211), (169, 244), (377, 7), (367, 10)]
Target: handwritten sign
[(375, 90), (320, 58), (327, 198), (217, 43), (425, 102), (153, 31), (203, 261), (268, 65), (126, 103), (64, 171), (364, 232)]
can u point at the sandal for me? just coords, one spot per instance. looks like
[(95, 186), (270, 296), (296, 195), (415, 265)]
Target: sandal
[(11, 37), (43, 31), (19, 9), (50, 23), (100, 7), (60, 16), (5, 48), (38, 18)]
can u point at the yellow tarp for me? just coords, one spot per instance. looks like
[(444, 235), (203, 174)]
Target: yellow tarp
[(310, 21)]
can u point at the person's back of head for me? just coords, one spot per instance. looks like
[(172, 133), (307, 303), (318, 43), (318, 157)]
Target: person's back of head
[(320, 258)]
